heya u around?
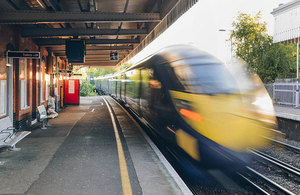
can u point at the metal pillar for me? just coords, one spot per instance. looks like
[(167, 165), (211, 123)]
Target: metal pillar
[(297, 89)]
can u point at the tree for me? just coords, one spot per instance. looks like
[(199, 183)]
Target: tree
[(86, 72), (99, 71), (253, 44), (124, 66), (87, 89)]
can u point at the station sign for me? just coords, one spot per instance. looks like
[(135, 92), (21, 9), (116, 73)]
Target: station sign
[(65, 71), (24, 54)]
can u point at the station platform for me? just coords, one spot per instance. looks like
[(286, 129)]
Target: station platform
[(93, 148), (287, 112)]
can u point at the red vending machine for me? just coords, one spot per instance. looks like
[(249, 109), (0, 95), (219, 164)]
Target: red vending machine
[(72, 88)]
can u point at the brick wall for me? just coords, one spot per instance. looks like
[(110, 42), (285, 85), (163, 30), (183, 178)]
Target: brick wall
[(36, 71), (10, 38)]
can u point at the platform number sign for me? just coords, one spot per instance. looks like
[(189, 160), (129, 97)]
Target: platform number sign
[(114, 56)]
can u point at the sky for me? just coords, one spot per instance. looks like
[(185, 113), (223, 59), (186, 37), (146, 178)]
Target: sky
[(200, 26)]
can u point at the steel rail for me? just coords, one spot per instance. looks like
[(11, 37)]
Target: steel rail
[(257, 187), (295, 148), (279, 187), (277, 162)]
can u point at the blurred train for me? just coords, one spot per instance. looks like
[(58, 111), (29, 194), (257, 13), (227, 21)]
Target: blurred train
[(212, 113)]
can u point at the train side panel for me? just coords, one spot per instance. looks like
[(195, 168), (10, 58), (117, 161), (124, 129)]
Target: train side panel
[(132, 86)]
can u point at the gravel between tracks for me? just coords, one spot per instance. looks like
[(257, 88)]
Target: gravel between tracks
[(277, 175), (284, 154)]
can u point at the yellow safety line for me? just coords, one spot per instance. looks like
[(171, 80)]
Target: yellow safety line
[(126, 186)]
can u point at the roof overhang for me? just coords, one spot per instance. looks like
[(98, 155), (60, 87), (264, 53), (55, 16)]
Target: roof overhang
[(285, 7), (125, 26)]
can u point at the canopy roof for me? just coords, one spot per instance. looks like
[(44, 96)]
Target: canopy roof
[(106, 25)]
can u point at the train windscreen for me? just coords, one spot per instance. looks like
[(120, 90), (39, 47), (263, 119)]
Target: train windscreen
[(202, 78)]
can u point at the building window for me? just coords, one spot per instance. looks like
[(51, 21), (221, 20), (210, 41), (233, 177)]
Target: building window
[(3, 90), (23, 81), (3, 95), (42, 83), (47, 81)]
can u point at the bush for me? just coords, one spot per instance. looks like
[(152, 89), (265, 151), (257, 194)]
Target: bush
[(87, 89)]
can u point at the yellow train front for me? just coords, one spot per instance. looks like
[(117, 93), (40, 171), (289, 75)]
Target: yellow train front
[(211, 112)]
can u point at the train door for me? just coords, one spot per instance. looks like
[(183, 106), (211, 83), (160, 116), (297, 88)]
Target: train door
[(161, 110)]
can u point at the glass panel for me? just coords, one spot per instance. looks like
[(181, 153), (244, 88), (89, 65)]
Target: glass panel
[(22, 69), (132, 88), (23, 80), (3, 95), (147, 78), (41, 83), (2, 69), (208, 79), (23, 92), (201, 76)]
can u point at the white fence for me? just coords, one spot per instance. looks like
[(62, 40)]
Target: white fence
[(284, 91)]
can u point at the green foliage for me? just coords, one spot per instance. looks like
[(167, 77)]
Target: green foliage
[(87, 89), (123, 66), (253, 45), (98, 71)]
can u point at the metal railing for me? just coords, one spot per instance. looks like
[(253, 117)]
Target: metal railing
[(284, 91)]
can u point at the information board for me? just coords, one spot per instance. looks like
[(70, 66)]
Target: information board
[(71, 87)]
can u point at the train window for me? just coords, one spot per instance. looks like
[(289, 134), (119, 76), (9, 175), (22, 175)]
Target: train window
[(208, 78)]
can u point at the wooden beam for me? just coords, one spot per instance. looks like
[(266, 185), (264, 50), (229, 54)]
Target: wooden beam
[(37, 17)]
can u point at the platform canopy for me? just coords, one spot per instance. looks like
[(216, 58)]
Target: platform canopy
[(123, 26)]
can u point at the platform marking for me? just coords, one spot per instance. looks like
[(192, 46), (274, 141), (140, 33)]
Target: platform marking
[(180, 183), (123, 166)]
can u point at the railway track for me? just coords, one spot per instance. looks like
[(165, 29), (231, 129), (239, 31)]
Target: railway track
[(263, 184), (270, 175), (285, 145), (285, 166)]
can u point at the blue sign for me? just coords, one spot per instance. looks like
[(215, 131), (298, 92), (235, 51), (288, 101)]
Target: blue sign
[(92, 79)]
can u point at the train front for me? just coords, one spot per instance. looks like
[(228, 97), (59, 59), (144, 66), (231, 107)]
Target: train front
[(227, 110)]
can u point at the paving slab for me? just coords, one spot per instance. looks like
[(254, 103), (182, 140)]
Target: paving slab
[(19, 169), (287, 112)]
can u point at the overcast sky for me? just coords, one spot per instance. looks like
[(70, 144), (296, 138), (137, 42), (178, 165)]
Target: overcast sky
[(200, 25)]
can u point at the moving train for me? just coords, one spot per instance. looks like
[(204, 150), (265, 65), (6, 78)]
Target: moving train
[(210, 112)]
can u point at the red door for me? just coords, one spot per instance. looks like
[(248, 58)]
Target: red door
[(71, 95)]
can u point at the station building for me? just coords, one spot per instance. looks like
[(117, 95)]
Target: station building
[(287, 22), (27, 82), (287, 30)]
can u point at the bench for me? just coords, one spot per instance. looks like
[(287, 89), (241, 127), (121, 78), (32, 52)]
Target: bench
[(44, 117), (9, 137)]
